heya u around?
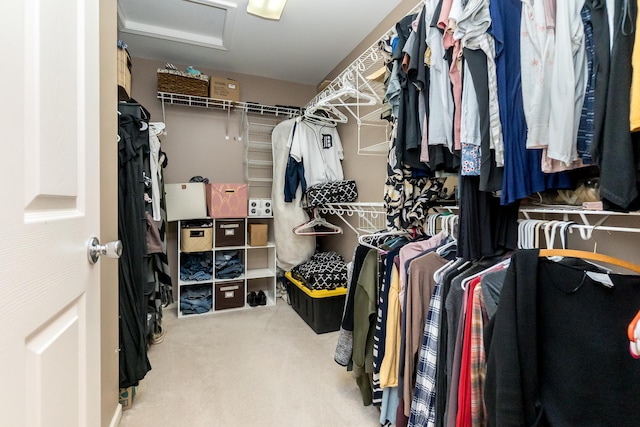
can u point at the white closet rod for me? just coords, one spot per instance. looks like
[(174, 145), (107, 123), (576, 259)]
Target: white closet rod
[(372, 217)]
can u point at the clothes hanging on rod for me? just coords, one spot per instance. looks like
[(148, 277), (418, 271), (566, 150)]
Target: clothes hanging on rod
[(499, 125), (553, 324), (134, 140), (144, 276), (464, 299), (470, 297)]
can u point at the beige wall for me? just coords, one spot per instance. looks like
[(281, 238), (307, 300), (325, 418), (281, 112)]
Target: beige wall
[(108, 212)]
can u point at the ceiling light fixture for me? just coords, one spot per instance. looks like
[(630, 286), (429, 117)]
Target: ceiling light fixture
[(268, 9)]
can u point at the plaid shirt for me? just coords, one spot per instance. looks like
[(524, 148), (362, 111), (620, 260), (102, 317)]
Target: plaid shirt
[(478, 359), (423, 405)]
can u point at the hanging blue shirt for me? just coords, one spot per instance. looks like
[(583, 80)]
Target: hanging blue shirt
[(523, 174)]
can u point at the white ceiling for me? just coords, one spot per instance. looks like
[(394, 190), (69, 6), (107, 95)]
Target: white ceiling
[(309, 41)]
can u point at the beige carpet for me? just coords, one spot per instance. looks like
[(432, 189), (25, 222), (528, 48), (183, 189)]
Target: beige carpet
[(258, 367)]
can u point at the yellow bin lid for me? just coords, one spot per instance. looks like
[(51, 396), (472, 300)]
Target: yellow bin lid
[(315, 293)]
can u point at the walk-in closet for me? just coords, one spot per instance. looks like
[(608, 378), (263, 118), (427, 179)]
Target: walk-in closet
[(363, 213)]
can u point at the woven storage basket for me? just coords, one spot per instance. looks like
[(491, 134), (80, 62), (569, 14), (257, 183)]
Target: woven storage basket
[(173, 81), (196, 239), (124, 74)]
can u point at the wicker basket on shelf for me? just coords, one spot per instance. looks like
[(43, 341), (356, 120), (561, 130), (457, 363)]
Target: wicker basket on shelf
[(174, 81)]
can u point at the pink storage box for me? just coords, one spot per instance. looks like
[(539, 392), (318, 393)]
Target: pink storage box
[(227, 200)]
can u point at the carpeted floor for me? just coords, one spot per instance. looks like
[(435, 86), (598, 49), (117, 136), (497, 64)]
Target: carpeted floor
[(258, 367)]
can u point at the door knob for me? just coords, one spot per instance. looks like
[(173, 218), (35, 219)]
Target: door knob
[(110, 250)]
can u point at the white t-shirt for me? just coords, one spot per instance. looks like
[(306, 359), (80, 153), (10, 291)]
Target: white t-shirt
[(319, 148), (568, 84)]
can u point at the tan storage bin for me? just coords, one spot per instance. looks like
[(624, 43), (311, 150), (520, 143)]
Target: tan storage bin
[(196, 239), (258, 234)]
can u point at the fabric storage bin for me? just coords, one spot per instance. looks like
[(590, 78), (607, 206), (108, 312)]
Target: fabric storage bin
[(227, 200), (331, 192), (185, 201), (196, 239), (229, 232), (174, 81), (229, 295), (321, 310)]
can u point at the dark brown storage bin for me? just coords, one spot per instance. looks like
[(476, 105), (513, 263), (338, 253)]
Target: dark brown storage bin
[(229, 233), (229, 295)]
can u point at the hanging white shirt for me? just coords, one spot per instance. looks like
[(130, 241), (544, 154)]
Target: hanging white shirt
[(155, 168), (537, 43), (568, 83), (319, 148)]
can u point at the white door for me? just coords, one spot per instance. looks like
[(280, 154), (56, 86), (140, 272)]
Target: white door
[(49, 175)]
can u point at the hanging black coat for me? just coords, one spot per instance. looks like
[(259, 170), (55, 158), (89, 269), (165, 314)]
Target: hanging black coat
[(134, 140)]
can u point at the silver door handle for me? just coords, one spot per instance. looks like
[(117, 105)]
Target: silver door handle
[(110, 250)]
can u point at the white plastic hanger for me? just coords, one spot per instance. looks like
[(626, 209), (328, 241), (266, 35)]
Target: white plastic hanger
[(330, 117), (308, 228), (348, 91), (365, 239), (502, 264), (437, 275)]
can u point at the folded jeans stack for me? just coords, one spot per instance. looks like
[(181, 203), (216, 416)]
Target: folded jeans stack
[(196, 266), (196, 299), (228, 264)]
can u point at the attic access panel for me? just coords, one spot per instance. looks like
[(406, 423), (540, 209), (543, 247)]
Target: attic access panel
[(207, 23)]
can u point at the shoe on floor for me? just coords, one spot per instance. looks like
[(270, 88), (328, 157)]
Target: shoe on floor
[(252, 299), (261, 298)]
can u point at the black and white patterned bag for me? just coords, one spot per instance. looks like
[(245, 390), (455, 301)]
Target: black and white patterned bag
[(325, 270), (331, 192)]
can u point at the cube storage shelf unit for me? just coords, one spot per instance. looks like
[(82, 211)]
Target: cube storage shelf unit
[(213, 295)]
